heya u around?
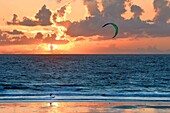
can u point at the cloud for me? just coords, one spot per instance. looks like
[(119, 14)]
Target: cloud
[(101, 38), (149, 49), (61, 14), (28, 22), (92, 7), (14, 20), (79, 39), (25, 22), (137, 11), (162, 7), (3, 37), (15, 32), (42, 18), (24, 40), (62, 11), (66, 23), (52, 40), (113, 49), (39, 35), (89, 27), (112, 12), (18, 40)]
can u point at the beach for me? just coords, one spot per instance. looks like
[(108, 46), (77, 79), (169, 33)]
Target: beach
[(85, 107)]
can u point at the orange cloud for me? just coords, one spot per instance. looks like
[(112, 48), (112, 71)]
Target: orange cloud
[(87, 35), (24, 40)]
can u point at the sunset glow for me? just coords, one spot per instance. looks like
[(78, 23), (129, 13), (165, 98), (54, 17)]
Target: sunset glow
[(74, 27)]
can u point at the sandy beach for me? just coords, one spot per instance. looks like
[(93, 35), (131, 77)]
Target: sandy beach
[(84, 107)]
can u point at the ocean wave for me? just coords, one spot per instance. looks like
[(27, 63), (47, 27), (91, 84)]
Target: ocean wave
[(85, 97)]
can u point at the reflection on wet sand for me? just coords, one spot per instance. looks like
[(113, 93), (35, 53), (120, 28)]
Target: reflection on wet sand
[(85, 107)]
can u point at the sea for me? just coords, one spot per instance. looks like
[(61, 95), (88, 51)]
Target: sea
[(98, 78)]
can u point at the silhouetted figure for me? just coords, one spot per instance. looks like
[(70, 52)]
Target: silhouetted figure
[(51, 97)]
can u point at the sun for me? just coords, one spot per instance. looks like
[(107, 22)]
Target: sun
[(52, 47)]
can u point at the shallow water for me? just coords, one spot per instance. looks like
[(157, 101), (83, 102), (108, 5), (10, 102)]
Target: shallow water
[(85, 77), (85, 107)]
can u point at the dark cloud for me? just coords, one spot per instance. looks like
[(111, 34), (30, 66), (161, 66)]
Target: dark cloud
[(79, 39), (28, 22), (3, 37), (92, 7), (112, 12), (60, 13), (54, 17), (52, 40), (18, 40), (89, 27), (24, 40), (14, 20), (137, 11), (162, 7), (42, 18), (113, 9), (39, 35), (15, 32)]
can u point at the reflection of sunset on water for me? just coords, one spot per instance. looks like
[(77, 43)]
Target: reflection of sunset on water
[(85, 107)]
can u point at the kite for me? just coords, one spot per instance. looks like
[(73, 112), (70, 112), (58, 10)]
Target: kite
[(115, 26)]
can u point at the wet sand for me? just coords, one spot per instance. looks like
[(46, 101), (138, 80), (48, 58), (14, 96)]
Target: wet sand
[(84, 107)]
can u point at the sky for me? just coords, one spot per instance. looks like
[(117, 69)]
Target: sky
[(75, 26)]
